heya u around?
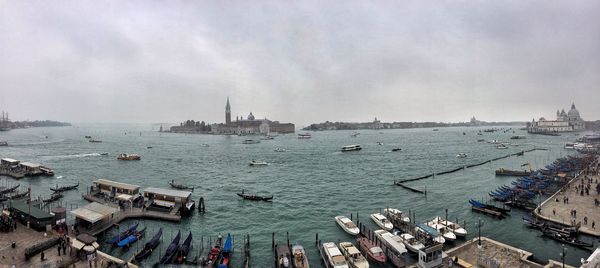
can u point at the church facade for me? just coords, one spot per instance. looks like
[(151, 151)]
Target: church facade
[(565, 121), (250, 125)]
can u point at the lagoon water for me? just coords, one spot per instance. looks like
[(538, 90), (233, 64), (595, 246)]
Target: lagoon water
[(312, 182)]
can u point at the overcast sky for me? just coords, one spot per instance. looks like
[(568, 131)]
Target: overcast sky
[(298, 61)]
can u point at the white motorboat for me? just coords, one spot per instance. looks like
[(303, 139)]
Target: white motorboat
[(299, 258), (250, 141), (501, 146), (411, 243), (391, 241), (426, 230), (395, 213), (279, 150), (347, 225), (352, 147), (3, 143), (442, 229), (334, 256), (256, 163), (455, 227), (353, 255), (304, 136), (382, 221), (570, 145), (494, 141), (461, 155)]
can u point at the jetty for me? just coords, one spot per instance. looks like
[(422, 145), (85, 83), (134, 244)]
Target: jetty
[(18, 170)]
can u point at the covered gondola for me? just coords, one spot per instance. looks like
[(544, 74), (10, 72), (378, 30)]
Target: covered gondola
[(115, 239), (132, 238)]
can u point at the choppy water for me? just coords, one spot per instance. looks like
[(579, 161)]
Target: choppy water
[(312, 181)]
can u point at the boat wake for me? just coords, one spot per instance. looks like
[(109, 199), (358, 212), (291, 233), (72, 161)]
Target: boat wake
[(72, 156), (59, 177)]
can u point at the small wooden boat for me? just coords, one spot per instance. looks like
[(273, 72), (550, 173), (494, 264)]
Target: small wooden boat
[(283, 257), (132, 238), (64, 188), (53, 197), (117, 238), (373, 252), (171, 249), (353, 255), (180, 186), (226, 252), (128, 157), (279, 150), (10, 189), (501, 146), (508, 172), (149, 246), (215, 252), (300, 260), (382, 221), (347, 225), (255, 197), (184, 249), (333, 256), (548, 226)]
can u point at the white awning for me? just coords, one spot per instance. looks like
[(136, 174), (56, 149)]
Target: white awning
[(87, 215), (125, 197)]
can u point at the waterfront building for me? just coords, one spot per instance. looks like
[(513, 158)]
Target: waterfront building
[(565, 122), (38, 219), (250, 125)]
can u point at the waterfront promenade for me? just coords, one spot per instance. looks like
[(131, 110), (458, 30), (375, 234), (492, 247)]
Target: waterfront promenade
[(573, 204)]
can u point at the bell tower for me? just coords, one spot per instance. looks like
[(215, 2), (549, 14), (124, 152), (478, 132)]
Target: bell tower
[(227, 112)]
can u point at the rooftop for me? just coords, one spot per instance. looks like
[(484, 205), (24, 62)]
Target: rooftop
[(168, 192), (93, 212), (22, 206), (117, 184)]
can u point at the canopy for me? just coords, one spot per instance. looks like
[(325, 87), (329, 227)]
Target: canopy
[(125, 197)]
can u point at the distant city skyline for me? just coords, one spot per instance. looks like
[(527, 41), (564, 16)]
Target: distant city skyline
[(302, 62)]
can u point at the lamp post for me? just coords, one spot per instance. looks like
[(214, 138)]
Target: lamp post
[(479, 224), (562, 255)]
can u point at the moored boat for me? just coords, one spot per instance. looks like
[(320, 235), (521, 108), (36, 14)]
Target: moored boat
[(395, 213), (214, 252), (352, 147), (132, 238), (373, 252), (117, 238), (171, 249), (333, 256), (411, 243), (300, 260), (454, 227), (226, 252), (353, 255), (3, 143), (149, 246), (184, 250), (391, 241), (10, 189), (508, 172), (382, 221), (64, 188), (347, 225), (445, 231), (128, 157), (434, 234), (567, 239), (53, 197), (283, 257), (180, 186)]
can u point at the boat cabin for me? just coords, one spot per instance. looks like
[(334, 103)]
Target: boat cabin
[(113, 188), (31, 168), (9, 162), (94, 214), (431, 256), (167, 197)]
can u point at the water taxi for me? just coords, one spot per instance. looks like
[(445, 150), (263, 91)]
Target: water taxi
[(411, 243), (258, 163), (395, 213), (304, 136), (442, 229), (353, 147), (391, 241), (347, 225), (354, 257), (279, 150), (426, 230), (128, 157), (373, 252), (299, 257), (382, 221), (455, 227), (461, 155), (333, 256)]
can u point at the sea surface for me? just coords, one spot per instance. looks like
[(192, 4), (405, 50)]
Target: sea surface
[(312, 181)]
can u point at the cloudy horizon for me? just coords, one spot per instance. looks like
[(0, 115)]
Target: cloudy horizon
[(301, 62)]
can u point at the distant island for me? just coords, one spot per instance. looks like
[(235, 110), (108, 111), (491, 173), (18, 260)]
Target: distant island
[(190, 126), (376, 124)]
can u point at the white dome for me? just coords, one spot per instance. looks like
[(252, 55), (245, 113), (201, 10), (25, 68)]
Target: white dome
[(573, 112)]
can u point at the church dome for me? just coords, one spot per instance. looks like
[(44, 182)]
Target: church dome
[(250, 116), (573, 113)]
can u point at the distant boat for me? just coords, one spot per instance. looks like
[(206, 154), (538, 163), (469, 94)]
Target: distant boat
[(64, 188), (88, 137), (104, 153), (396, 149), (461, 155), (258, 163), (304, 136), (517, 137), (128, 157), (148, 147), (180, 186), (379, 143), (255, 197), (94, 141), (501, 146), (204, 145), (353, 147), (279, 150), (249, 141), (435, 129), (480, 140), (3, 143)]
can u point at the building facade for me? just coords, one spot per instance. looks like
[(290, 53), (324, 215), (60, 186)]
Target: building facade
[(250, 125), (565, 122)]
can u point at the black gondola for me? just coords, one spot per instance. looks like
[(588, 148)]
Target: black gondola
[(64, 188), (567, 240), (149, 246), (115, 239), (171, 249), (8, 190), (548, 226), (53, 197), (18, 195), (255, 197), (180, 186), (184, 249)]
